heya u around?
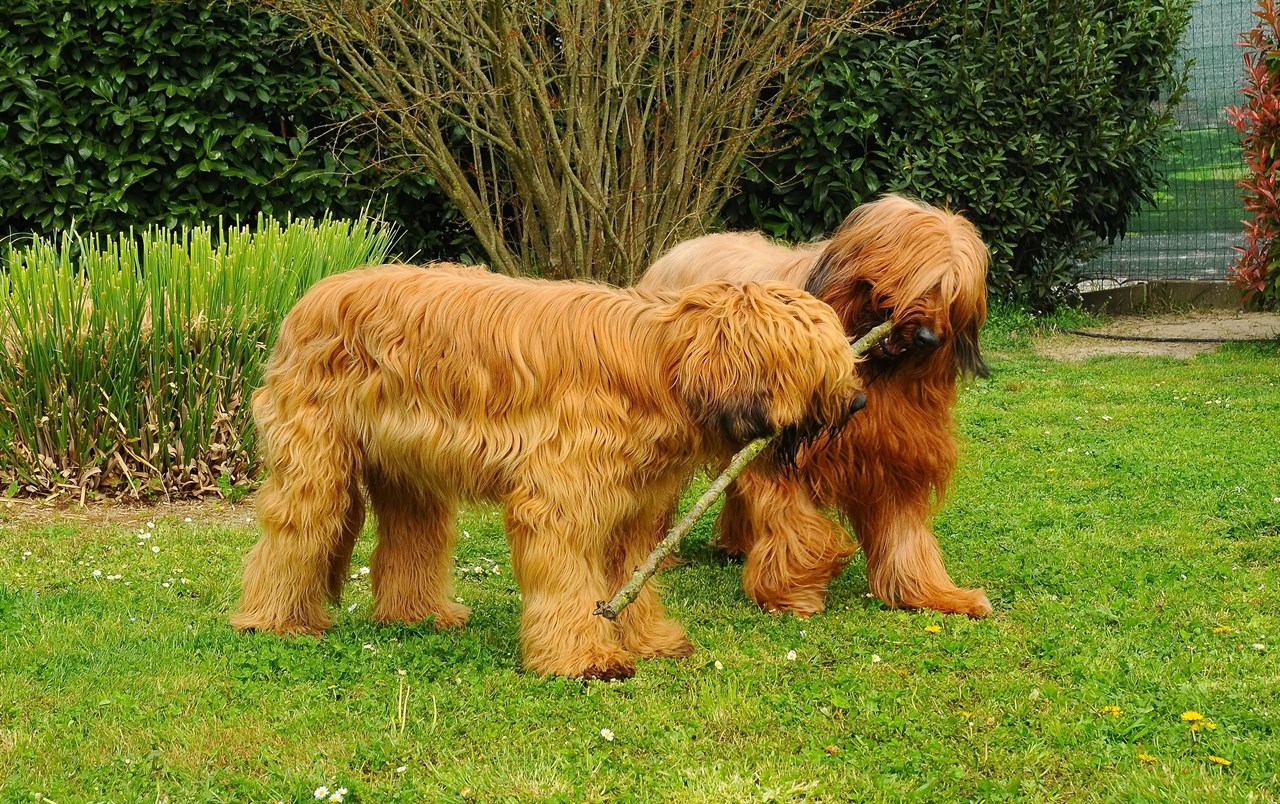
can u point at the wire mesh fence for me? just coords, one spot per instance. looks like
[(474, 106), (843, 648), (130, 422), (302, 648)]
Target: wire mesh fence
[(1190, 232)]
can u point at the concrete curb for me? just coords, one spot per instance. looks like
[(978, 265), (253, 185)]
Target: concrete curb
[(1162, 296)]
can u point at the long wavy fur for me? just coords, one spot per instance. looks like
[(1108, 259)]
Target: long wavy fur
[(924, 268), (581, 408)]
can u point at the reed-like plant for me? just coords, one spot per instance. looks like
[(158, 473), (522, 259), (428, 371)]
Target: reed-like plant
[(128, 361)]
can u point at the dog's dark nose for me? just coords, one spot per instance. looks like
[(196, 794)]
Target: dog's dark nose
[(859, 402), (926, 337)]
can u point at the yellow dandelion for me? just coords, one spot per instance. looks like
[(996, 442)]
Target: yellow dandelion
[(933, 629), (1203, 724), (1222, 629), (1147, 758), (1112, 710), (1219, 760), (1191, 716)]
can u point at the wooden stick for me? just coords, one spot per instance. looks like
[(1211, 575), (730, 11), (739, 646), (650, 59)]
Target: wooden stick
[(628, 593)]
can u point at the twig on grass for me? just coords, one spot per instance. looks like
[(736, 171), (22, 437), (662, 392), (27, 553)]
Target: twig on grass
[(631, 590), (402, 704)]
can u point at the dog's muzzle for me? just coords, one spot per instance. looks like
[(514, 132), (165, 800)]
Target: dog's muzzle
[(895, 344), (925, 337)]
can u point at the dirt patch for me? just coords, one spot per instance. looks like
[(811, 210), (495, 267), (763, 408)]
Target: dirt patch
[(1207, 324), (108, 513)]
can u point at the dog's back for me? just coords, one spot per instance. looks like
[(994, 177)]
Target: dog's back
[(455, 365), (466, 374), (735, 256), (398, 317)]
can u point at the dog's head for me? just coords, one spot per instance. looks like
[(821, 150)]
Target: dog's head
[(924, 269), (763, 357)]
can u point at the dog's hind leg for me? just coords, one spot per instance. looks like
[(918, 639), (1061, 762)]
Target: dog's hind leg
[(904, 562), (340, 557), (793, 551), (412, 563), (558, 555), (646, 629), (302, 506)]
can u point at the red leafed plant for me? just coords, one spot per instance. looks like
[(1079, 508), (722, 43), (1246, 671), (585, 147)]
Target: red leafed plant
[(1257, 269)]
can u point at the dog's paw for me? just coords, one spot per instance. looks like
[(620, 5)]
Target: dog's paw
[(603, 664), (673, 648), (609, 671), (248, 622), (970, 602), (796, 603), (660, 639), (978, 606), (442, 615), (450, 615)]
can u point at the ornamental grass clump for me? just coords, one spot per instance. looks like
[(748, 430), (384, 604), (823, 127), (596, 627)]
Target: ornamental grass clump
[(128, 361)]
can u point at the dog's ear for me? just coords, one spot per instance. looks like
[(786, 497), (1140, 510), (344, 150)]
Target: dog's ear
[(717, 374), (740, 420), (722, 375), (968, 313), (849, 294), (969, 360), (761, 356)]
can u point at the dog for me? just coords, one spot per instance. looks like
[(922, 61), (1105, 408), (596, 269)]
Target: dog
[(893, 259), (581, 408)]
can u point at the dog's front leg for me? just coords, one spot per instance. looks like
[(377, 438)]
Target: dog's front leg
[(793, 550), (558, 559), (646, 629), (904, 562)]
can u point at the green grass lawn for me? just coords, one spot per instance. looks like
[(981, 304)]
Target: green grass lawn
[(1122, 514)]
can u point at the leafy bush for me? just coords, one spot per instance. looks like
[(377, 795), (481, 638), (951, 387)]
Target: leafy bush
[(1041, 120), (128, 361), (1257, 269), (135, 112)]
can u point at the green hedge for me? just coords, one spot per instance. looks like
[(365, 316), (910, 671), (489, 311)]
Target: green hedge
[(1042, 120), (129, 113)]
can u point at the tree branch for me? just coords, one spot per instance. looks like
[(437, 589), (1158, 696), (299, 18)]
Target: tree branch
[(579, 138)]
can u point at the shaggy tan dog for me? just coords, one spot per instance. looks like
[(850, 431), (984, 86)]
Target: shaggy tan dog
[(891, 259), (581, 408)]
